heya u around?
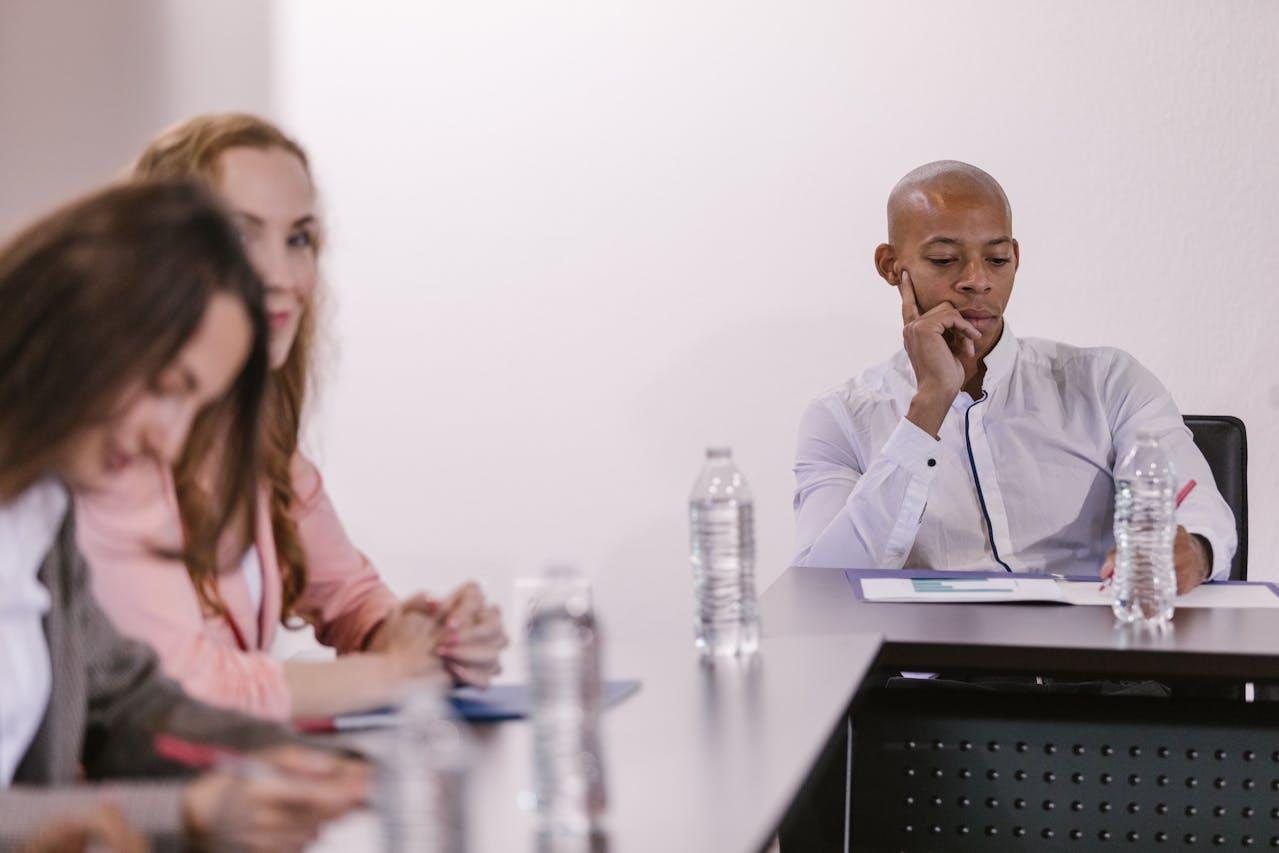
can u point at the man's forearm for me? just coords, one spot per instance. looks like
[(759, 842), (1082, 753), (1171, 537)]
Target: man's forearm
[(928, 411)]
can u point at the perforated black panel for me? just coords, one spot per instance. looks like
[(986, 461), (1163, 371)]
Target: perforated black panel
[(948, 772)]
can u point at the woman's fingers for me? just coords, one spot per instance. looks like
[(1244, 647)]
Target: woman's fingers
[(463, 607), (477, 676), (486, 627), (476, 654), (420, 602)]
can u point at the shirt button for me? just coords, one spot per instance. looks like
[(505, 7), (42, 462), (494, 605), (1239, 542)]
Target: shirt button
[(932, 463)]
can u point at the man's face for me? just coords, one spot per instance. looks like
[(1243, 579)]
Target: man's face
[(957, 246)]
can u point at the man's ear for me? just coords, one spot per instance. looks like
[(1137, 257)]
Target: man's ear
[(1016, 255), (886, 264)]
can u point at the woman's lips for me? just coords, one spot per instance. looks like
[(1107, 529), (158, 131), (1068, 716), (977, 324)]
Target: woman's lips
[(278, 319)]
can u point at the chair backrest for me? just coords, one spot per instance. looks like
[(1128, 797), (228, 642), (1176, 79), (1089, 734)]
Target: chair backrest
[(1224, 443)]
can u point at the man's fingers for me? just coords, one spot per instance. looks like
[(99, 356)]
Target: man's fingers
[(910, 307), (948, 319), (951, 319)]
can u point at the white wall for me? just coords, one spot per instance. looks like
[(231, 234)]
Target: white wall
[(84, 85), (575, 242)]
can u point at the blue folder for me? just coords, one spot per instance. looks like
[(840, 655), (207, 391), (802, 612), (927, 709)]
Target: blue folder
[(511, 701), (499, 702)]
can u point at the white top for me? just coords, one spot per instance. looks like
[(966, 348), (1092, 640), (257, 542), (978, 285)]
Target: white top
[(252, 568), (28, 527), (1020, 479)]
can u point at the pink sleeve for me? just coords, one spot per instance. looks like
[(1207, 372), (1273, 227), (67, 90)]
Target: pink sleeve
[(344, 597), (151, 597)]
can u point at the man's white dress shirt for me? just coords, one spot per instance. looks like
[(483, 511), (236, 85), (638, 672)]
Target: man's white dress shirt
[(28, 528), (1020, 479)]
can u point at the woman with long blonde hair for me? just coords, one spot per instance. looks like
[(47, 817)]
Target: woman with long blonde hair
[(213, 621)]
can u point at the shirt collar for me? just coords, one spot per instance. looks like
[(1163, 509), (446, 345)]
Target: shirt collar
[(999, 361), (29, 526)]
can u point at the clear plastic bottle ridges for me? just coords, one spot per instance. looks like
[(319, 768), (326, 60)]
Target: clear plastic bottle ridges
[(1145, 584), (421, 792), (722, 553), (565, 699)]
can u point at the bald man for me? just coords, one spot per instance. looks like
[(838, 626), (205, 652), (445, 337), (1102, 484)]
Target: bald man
[(973, 449)]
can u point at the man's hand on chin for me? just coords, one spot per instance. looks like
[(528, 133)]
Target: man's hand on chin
[(1191, 558)]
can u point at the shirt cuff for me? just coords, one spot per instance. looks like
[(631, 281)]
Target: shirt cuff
[(917, 453), (911, 448)]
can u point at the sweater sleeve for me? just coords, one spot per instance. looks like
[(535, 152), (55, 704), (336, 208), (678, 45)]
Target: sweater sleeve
[(152, 808), (344, 597), (129, 702), (121, 530)]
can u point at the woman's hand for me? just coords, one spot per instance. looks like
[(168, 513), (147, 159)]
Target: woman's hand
[(101, 828), (472, 638), (462, 631), (409, 637), (279, 810)]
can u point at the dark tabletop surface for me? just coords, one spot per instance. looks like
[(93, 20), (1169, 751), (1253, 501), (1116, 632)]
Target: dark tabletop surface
[(1027, 638)]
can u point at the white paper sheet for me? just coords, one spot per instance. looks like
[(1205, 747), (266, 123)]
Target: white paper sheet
[(961, 589), (1030, 589), (1207, 595)]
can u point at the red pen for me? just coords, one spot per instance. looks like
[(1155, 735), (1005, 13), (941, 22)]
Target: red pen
[(1181, 496), (202, 756)]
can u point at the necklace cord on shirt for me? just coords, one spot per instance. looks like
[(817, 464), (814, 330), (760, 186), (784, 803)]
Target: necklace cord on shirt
[(968, 442)]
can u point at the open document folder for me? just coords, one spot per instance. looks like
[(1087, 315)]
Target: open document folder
[(1014, 588), (492, 704)]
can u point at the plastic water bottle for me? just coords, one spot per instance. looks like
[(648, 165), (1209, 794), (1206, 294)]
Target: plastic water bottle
[(422, 777), (722, 524), (565, 699), (1145, 584)]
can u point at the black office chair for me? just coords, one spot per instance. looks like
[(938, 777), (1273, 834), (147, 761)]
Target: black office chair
[(1224, 443)]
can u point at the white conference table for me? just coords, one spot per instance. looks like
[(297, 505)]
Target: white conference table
[(700, 758)]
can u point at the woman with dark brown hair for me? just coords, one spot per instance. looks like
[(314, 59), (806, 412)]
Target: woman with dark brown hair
[(214, 622), (121, 318)]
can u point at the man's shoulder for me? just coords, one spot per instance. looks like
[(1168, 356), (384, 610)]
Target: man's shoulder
[(1058, 355), (880, 383)]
